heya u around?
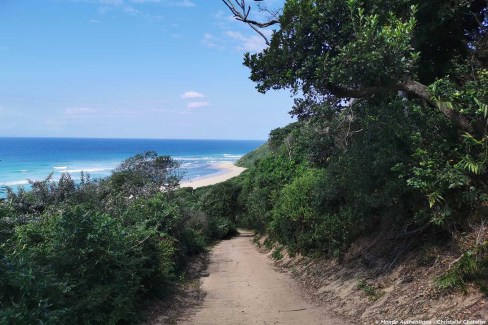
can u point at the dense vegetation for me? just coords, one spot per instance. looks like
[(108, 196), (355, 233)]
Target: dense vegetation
[(391, 135), (391, 140), (91, 253)]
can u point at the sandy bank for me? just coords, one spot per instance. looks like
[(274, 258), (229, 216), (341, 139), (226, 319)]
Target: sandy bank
[(226, 171)]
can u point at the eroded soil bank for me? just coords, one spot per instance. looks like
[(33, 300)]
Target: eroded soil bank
[(245, 284), (366, 289)]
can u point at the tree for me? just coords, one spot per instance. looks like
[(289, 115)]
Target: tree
[(334, 50), (145, 174)]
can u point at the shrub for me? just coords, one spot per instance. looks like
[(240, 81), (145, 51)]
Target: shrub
[(302, 222), (221, 228), (101, 266), (472, 265)]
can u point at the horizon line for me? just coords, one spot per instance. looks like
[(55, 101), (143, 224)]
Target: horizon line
[(125, 138)]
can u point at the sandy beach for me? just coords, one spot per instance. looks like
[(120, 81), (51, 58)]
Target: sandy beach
[(226, 171)]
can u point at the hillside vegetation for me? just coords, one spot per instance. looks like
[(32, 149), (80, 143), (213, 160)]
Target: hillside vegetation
[(391, 138), (92, 253), (391, 142), (247, 161)]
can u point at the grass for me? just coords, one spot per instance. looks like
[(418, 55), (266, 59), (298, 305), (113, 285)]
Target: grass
[(372, 292), (277, 254)]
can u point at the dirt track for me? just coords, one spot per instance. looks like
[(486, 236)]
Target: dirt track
[(244, 288)]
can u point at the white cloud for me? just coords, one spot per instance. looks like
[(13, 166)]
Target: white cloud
[(197, 104), (123, 113), (85, 112), (111, 2), (134, 7), (131, 10), (184, 3), (225, 16), (175, 3), (211, 41), (253, 43), (192, 94)]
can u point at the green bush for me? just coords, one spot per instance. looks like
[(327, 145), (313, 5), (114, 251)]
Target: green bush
[(220, 205), (261, 187), (302, 222), (92, 252), (221, 228), (220, 201), (101, 268), (298, 212), (192, 241)]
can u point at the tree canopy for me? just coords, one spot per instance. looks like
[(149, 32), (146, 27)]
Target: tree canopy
[(332, 51), (391, 99)]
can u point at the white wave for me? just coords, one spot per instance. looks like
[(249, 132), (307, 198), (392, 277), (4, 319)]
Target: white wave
[(192, 158), (16, 183), (60, 167), (87, 170), (194, 166)]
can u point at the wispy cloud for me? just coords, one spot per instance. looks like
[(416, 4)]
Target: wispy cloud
[(253, 43), (131, 10), (146, 1), (197, 104), (177, 3), (192, 94), (112, 2), (115, 3), (185, 3), (80, 111), (123, 113), (211, 41), (160, 110), (134, 7), (89, 112)]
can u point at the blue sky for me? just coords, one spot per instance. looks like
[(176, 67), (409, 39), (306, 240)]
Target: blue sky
[(132, 69)]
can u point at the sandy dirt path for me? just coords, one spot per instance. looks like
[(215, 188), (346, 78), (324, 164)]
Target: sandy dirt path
[(244, 288)]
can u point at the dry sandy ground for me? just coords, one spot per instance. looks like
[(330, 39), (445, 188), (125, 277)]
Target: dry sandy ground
[(243, 287), (226, 171)]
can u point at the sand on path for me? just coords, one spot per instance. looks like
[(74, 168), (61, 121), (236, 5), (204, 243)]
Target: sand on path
[(226, 171), (243, 287)]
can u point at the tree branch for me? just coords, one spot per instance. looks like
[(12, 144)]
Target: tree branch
[(419, 90), (241, 12), (415, 89)]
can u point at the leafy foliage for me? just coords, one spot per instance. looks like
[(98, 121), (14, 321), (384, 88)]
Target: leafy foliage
[(391, 100), (92, 252)]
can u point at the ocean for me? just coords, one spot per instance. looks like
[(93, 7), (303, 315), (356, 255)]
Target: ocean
[(35, 158)]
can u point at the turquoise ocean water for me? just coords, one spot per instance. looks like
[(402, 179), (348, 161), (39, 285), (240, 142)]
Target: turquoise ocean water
[(35, 158)]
